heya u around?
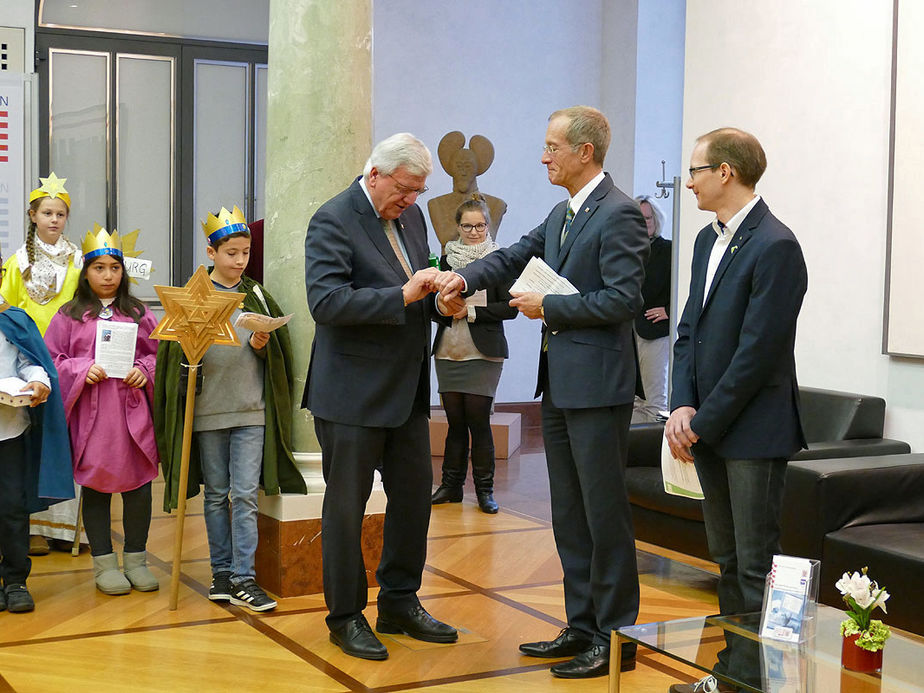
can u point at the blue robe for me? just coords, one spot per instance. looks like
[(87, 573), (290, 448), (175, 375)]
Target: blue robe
[(50, 477)]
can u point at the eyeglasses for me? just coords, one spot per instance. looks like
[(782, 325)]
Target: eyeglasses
[(477, 227), (551, 148), (694, 169), (403, 189)]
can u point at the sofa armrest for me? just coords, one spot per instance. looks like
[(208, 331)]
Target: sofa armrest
[(645, 444), (825, 495), (863, 447)]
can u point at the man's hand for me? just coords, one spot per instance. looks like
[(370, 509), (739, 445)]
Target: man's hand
[(40, 392), (656, 314), (96, 374), (418, 286), (450, 285), (135, 378), (258, 340), (679, 434), (529, 303)]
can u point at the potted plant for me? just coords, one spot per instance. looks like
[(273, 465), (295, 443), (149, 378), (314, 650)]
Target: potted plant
[(864, 637)]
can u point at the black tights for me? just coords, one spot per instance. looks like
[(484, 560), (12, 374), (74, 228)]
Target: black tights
[(468, 413), (136, 519)]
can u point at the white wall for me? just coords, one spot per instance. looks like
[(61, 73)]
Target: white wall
[(812, 82), (659, 98), (498, 70)]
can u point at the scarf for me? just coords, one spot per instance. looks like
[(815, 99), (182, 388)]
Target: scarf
[(45, 277), (458, 255)]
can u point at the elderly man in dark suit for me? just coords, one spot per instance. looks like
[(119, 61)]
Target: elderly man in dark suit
[(366, 271), (587, 378), (735, 400)]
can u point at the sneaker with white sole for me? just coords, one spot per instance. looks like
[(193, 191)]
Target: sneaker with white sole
[(220, 589), (248, 593)]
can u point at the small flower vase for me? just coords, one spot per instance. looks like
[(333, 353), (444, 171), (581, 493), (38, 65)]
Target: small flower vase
[(856, 658)]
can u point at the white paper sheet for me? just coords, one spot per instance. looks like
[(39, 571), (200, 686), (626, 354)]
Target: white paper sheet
[(680, 477), (256, 322), (115, 347), (538, 277), (13, 392)]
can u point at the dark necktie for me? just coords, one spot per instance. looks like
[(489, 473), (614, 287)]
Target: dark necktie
[(569, 217)]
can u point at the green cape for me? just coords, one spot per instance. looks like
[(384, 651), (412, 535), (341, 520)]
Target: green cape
[(279, 473)]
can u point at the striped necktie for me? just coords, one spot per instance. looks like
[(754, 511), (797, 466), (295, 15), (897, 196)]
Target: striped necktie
[(569, 217), (393, 241)]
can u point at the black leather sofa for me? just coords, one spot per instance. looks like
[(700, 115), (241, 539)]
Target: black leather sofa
[(862, 511), (852, 499), (836, 425)]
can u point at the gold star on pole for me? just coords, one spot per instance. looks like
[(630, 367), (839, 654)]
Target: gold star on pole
[(197, 315), (53, 185)]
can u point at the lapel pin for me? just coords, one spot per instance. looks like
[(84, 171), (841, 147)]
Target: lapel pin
[(733, 249), (586, 209)]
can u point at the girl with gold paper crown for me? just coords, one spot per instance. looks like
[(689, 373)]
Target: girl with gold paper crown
[(41, 277), (109, 413)]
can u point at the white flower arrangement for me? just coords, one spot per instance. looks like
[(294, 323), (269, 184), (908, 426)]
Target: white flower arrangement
[(862, 595)]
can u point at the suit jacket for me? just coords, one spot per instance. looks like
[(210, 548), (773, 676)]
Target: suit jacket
[(590, 358), (733, 359), (656, 290), (488, 329), (370, 362)]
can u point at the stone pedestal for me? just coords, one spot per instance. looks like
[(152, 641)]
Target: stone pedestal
[(505, 427), (288, 559)]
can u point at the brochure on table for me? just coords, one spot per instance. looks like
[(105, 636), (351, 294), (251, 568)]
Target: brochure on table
[(790, 599)]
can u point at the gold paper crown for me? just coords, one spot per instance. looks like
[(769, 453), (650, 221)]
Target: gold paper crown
[(224, 224), (51, 187), (100, 242)]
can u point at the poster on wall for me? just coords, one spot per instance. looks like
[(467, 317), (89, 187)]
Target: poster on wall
[(12, 161), (903, 333)]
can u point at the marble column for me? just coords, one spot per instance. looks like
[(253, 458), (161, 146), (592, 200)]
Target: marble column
[(319, 134)]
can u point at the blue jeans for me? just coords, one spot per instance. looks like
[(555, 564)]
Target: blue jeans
[(742, 515), (231, 460)]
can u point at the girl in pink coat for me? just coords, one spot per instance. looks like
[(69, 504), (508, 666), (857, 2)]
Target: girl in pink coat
[(109, 417)]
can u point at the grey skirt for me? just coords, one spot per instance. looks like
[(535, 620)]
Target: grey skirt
[(474, 377)]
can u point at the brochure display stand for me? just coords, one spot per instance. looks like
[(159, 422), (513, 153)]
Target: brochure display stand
[(790, 599)]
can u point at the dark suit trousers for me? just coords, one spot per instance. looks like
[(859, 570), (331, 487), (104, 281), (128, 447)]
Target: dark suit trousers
[(350, 455), (586, 453)]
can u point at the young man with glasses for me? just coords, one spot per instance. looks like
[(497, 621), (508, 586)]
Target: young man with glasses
[(735, 399)]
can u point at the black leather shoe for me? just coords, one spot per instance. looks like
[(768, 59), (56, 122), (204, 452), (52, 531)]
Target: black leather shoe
[(417, 623), (487, 503), (568, 643), (356, 638), (592, 662), (447, 494)]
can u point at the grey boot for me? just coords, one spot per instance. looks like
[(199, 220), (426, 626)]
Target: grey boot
[(136, 570), (109, 580)]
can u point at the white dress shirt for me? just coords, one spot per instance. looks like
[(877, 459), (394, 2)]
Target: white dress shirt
[(725, 234)]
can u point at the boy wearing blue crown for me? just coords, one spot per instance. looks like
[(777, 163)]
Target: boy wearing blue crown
[(35, 458), (242, 422)]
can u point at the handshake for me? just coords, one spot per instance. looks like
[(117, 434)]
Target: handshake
[(450, 286)]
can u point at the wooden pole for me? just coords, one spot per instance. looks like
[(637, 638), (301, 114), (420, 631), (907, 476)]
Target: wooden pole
[(184, 480)]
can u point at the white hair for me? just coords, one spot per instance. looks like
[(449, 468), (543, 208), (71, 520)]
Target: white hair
[(402, 150), (655, 212)]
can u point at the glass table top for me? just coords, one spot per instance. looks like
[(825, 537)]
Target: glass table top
[(778, 667)]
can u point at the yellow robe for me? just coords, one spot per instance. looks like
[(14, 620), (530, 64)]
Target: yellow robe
[(13, 289)]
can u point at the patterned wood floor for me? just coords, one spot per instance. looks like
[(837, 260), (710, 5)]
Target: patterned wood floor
[(497, 578)]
